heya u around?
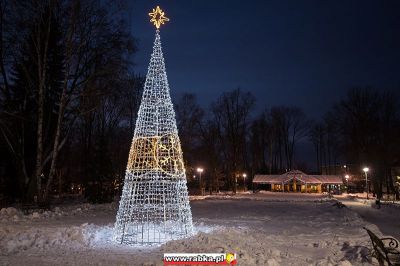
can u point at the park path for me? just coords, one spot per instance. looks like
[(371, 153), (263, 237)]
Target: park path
[(387, 218)]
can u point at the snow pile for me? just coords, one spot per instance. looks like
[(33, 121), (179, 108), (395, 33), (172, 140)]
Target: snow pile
[(13, 241), (265, 196), (103, 236), (336, 239), (74, 237), (253, 248), (12, 214)]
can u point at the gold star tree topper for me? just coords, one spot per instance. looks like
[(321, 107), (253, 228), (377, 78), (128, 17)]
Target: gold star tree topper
[(158, 17)]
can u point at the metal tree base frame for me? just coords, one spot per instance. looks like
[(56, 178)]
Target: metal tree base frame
[(154, 206)]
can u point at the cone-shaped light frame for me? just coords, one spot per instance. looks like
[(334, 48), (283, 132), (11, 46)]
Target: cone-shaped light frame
[(154, 206)]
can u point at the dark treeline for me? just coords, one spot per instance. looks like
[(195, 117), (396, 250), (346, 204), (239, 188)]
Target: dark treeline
[(360, 130), (69, 100), (228, 141)]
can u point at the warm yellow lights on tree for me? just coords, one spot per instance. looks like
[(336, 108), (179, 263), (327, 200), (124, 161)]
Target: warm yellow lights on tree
[(158, 17), (161, 153)]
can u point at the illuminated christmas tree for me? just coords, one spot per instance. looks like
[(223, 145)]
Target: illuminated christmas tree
[(154, 205)]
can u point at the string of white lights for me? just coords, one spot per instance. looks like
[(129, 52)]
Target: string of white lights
[(154, 205)]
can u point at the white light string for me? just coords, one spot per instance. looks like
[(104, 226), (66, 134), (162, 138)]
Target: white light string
[(154, 206)]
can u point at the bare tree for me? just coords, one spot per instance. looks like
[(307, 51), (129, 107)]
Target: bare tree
[(291, 126), (261, 142), (189, 116), (316, 136), (231, 115), (95, 49), (368, 121)]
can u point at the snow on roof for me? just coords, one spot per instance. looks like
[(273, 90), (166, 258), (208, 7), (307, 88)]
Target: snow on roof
[(295, 172), (270, 179), (298, 175), (329, 179)]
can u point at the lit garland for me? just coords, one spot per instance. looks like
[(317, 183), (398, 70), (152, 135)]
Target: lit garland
[(154, 205)]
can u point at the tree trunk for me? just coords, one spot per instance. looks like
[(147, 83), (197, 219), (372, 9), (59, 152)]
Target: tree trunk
[(42, 62), (63, 103), (56, 146)]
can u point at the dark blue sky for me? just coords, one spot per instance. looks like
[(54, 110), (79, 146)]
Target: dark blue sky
[(304, 53)]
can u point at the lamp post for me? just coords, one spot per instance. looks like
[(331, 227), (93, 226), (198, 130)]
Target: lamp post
[(244, 181), (347, 183), (366, 169), (200, 171), (234, 189)]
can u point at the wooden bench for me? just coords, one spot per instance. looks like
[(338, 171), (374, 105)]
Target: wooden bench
[(385, 249)]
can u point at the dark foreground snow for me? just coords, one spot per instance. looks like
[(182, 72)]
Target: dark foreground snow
[(263, 229)]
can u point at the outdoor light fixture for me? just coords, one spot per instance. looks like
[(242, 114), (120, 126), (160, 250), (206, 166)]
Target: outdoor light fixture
[(200, 171), (244, 180), (366, 169), (347, 182)]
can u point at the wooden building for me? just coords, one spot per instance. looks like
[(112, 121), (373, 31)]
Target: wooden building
[(297, 181)]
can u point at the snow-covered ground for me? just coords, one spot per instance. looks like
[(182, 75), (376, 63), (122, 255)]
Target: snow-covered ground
[(387, 218), (263, 229)]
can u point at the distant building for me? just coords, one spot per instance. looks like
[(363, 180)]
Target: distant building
[(297, 181)]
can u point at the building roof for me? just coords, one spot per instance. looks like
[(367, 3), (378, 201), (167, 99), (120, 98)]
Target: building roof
[(298, 176), (268, 179)]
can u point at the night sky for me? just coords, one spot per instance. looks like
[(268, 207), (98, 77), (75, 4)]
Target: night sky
[(304, 53)]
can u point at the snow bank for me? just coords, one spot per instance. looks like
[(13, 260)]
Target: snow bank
[(265, 196), (37, 229), (308, 231), (13, 240), (330, 236), (253, 248), (12, 214)]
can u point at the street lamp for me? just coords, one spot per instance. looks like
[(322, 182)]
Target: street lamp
[(244, 181), (366, 169), (347, 182), (200, 171)]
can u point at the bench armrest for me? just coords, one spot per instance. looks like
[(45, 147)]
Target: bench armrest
[(391, 242)]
